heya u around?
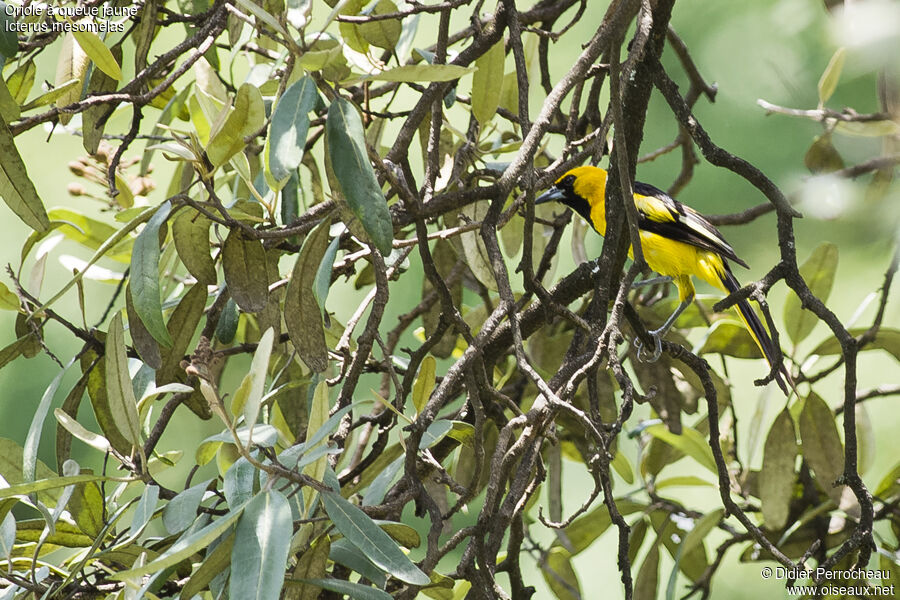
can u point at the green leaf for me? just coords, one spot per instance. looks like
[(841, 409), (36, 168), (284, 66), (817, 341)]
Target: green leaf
[(623, 467), (829, 80), (885, 339), (316, 430), (866, 128), (145, 276), (216, 562), (183, 548), (228, 322), (290, 124), (94, 118), (357, 591), (302, 313), (350, 162), (345, 553), (682, 480), (144, 510), (359, 528), (181, 510), (776, 477), (420, 73), (323, 274), (9, 41), (120, 393), (384, 33), (87, 507), (691, 442), (247, 117), (487, 83), (16, 188), (43, 485), (97, 51), (702, 527), (244, 265), (310, 567), (821, 444), (262, 541), (9, 108), (647, 582), (190, 230), (181, 327), (822, 156), (424, 383), (21, 81), (731, 339), (255, 380), (560, 575), (818, 272)]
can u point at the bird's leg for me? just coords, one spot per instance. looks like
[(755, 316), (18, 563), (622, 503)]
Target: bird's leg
[(657, 334), (651, 281)]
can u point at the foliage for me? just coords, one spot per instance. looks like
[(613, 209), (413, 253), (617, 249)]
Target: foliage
[(301, 146)]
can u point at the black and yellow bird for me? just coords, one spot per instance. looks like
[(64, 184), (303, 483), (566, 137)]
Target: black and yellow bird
[(677, 242)]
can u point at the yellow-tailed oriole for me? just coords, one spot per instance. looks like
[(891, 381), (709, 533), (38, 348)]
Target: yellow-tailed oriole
[(677, 242)]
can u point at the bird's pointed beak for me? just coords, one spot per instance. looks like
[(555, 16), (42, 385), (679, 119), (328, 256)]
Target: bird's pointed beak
[(554, 194)]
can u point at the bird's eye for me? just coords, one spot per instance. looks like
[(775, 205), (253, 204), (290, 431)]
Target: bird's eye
[(569, 180)]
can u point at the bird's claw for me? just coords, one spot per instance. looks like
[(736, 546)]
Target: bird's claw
[(645, 356)]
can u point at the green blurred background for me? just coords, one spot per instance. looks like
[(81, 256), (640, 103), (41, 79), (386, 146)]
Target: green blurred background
[(771, 49)]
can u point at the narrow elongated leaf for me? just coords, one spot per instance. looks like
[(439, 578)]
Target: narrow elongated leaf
[(647, 582), (302, 313), (256, 377), (310, 567), (71, 65), (421, 72), (190, 230), (350, 162), (9, 42), (244, 265), (829, 80), (323, 274), (560, 575), (262, 541), (120, 393), (33, 438), (214, 565), (290, 124), (357, 591), (359, 528), (245, 119), (43, 485), (818, 272), (181, 327), (183, 548), (21, 81), (887, 339), (318, 417), (691, 442), (16, 188), (776, 478), (145, 277), (384, 33), (97, 51), (702, 527), (487, 83), (424, 383), (822, 446), (144, 510), (731, 339)]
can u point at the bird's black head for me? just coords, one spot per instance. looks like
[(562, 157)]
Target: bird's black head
[(563, 191)]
